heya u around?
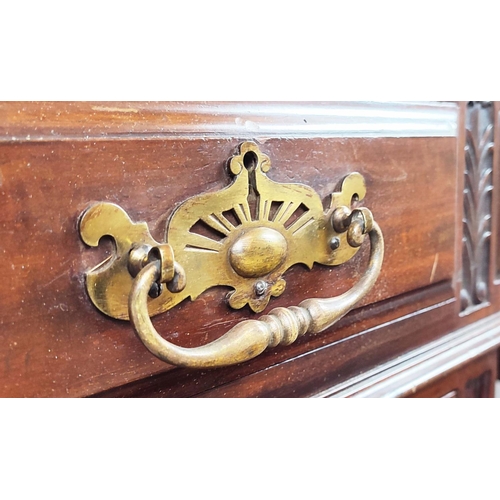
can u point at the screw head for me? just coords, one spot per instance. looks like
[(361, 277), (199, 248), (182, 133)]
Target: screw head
[(334, 243), (260, 288), (155, 290)]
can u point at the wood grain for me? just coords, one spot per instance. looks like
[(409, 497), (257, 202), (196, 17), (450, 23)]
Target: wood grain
[(56, 158), (428, 365), (83, 121), (473, 380), (47, 185), (364, 339)]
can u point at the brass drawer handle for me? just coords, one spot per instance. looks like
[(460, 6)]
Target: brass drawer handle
[(245, 236), (251, 337)]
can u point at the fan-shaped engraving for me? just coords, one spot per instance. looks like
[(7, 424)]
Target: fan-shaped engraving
[(244, 237), (292, 211)]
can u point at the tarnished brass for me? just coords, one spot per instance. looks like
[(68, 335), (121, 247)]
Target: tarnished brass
[(218, 239), (258, 252), (251, 337), (244, 237)]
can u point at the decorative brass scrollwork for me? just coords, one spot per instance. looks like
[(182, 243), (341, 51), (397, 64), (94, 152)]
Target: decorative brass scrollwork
[(245, 237)]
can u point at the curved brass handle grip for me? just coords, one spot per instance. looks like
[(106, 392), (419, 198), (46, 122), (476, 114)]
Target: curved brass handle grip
[(251, 337)]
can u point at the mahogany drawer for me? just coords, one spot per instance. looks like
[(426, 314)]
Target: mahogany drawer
[(56, 159)]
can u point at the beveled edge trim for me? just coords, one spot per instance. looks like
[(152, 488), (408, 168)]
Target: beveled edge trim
[(53, 121), (416, 369)]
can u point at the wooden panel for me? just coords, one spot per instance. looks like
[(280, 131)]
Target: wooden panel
[(444, 365), (474, 380), (478, 185), (495, 223), (56, 343)]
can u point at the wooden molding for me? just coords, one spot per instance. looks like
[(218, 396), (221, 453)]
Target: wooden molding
[(405, 375), (52, 121)]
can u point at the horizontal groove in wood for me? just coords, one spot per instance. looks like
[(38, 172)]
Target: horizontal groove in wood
[(52, 121)]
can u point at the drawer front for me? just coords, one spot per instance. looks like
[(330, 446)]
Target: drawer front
[(53, 166)]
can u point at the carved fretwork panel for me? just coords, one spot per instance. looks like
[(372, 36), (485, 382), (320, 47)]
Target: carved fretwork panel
[(477, 204)]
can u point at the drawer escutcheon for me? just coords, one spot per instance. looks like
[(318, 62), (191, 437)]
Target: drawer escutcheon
[(245, 236)]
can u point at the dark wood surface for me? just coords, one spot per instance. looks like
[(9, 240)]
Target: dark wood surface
[(474, 380), (57, 158), (420, 368)]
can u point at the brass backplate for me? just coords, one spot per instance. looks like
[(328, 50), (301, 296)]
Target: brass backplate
[(244, 236)]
